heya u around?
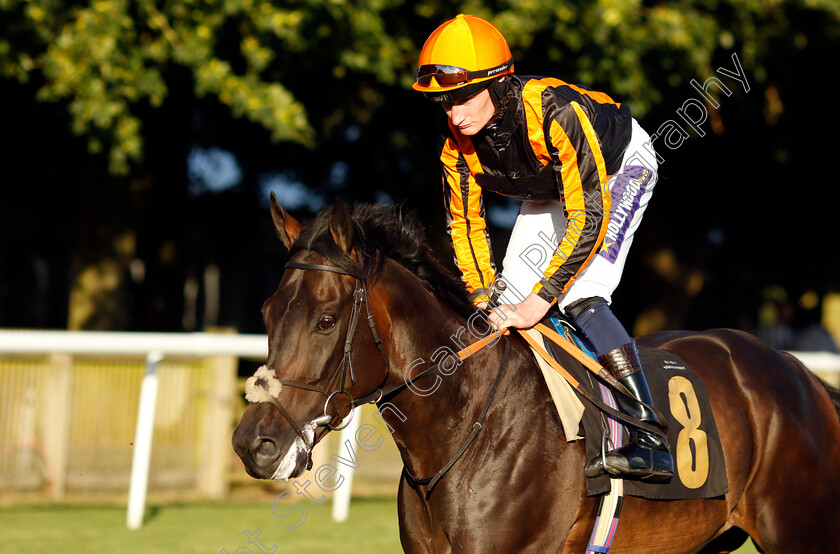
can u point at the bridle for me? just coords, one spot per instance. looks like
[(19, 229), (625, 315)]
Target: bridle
[(345, 367), (360, 296)]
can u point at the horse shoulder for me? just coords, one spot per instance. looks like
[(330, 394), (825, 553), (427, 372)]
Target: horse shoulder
[(519, 465)]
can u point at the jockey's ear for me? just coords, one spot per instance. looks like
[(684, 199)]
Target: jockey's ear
[(341, 226), (288, 228)]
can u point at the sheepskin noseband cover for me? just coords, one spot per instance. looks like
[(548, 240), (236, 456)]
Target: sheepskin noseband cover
[(262, 386)]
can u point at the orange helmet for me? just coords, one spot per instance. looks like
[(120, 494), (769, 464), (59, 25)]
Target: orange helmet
[(460, 58)]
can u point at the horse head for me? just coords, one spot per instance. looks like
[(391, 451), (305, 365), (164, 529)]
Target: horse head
[(309, 383)]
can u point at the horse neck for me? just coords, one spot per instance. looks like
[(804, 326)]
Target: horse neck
[(428, 333)]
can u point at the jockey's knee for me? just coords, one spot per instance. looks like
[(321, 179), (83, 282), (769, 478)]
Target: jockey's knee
[(578, 307)]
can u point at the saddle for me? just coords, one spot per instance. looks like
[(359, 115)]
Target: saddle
[(678, 393)]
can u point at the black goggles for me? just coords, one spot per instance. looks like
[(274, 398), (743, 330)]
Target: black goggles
[(447, 75)]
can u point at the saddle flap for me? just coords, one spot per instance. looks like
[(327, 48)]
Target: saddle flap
[(569, 407)]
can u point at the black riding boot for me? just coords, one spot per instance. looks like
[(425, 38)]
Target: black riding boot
[(646, 456)]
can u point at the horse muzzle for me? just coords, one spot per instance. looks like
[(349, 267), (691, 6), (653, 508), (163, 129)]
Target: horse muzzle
[(298, 457), (263, 453)]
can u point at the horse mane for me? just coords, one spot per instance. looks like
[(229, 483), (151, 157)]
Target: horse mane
[(833, 393), (385, 231)]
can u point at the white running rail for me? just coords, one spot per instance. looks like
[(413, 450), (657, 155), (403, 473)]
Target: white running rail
[(156, 346)]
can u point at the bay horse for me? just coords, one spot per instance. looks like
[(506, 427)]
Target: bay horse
[(518, 486)]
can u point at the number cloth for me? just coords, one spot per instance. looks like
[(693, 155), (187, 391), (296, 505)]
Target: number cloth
[(699, 469)]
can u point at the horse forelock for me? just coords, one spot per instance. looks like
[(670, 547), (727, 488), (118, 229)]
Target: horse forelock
[(385, 232), (316, 237)]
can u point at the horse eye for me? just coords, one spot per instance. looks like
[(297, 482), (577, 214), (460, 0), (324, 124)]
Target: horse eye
[(327, 321)]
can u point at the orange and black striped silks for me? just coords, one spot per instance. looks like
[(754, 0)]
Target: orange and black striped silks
[(554, 141)]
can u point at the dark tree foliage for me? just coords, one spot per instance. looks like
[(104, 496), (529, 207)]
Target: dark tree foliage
[(106, 102)]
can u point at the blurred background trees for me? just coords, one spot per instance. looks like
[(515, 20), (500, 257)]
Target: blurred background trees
[(141, 139)]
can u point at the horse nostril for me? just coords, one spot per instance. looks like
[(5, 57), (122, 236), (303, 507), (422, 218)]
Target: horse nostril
[(265, 450)]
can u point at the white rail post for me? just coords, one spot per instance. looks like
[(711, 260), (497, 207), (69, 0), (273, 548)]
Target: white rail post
[(341, 498), (57, 402), (214, 466), (143, 442)]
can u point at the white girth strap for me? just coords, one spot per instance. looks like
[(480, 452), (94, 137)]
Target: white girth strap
[(610, 509), (607, 521), (570, 409)]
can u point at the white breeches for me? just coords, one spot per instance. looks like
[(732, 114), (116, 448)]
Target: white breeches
[(539, 224)]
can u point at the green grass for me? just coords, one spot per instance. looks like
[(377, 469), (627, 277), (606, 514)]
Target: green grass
[(204, 527), (198, 527)]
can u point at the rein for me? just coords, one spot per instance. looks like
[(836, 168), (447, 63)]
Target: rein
[(360, 297), (477, 426), (600, 372), (345, 368)]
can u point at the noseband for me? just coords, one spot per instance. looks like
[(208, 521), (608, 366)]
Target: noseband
[(264, 386), (345, 367)]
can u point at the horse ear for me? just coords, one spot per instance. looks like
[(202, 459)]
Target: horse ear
[(288, 228), (341, 226)]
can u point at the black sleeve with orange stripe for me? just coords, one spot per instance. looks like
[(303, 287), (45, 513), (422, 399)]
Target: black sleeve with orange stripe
[(574, 145), (465, 218)]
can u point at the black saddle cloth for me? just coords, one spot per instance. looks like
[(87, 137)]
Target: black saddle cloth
[(680, 395)]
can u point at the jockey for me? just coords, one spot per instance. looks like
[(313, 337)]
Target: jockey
[(585, 171)]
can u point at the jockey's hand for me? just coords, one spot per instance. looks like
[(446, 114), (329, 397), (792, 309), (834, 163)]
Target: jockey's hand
[(523, 315)]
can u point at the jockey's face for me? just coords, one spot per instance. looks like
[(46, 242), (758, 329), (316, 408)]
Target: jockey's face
[(471, 114)]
